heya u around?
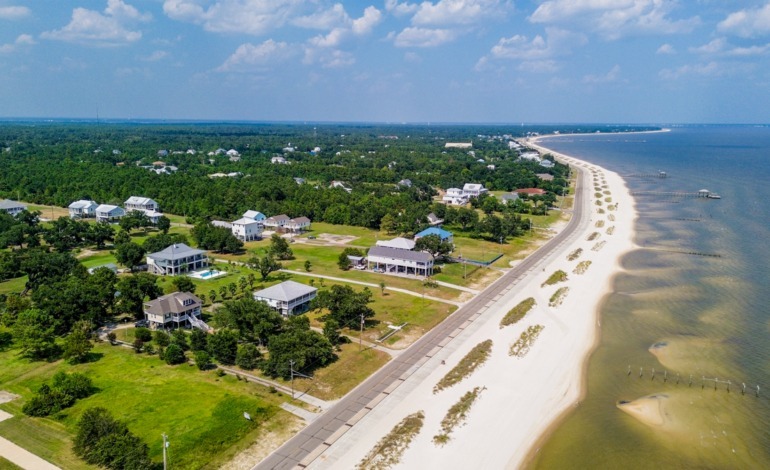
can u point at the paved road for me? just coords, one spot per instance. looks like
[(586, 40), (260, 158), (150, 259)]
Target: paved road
[(306, 446)]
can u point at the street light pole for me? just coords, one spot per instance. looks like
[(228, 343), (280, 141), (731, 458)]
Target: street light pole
[(361, 334), (165, 444)]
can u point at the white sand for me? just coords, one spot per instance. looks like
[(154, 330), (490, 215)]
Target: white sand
[(523, 396)]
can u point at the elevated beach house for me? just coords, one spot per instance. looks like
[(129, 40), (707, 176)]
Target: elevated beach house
[(473, 190), (277, 222), (176, 259), (12, 207), (297, 225), (399, 243), (173, 311), (138, 203), (455, 197), (254, 215), (83, 209), (288, 297), (246, 229), (399, 261), (109, 213)]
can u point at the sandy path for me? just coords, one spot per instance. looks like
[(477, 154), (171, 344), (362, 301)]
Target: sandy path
[(523, 396)]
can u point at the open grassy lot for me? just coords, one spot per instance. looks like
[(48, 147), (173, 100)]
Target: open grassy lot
[(201, 413), (98, 258), (364, 236), (7, 465), (15, 285)]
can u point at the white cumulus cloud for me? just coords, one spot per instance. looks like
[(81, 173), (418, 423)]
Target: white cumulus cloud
[(709, 69), (611, 76), (747, 23), (14, 12), (666, 49), (254, 17), (250, 56), (557, 42), (423, 37), (457, 12), (95, 28)]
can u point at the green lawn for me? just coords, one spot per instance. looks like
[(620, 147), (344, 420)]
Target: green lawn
[(201, 413), (98, 259), (7, 465), (14, 285)]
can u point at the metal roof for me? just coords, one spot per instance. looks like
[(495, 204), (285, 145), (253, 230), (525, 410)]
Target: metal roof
[(395, 253), (176, 251), (285, 291)]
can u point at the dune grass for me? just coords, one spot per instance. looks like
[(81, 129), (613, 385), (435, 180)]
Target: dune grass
[(388, 451), (558, 297), (457, 415), (555, 278), (467, 365), (518, 312), (521, 347)]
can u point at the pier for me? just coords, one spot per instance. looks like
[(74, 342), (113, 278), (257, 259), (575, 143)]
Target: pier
[(703, 193), (660, 174), (716, 382)]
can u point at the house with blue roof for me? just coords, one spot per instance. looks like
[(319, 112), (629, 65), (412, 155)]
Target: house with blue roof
[(444, 235)]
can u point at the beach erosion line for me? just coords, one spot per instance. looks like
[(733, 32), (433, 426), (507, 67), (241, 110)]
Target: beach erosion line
[(525, 396)]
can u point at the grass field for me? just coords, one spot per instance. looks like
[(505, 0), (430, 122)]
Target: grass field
[(7, 465), (201, 413), (15, 285)]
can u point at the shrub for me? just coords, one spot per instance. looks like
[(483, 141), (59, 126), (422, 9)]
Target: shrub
[(138, 345), (174, 354), (143, 333), (517, 312), (64, 390), (248, 357), (111, 337), (161, 338), (202, 359)]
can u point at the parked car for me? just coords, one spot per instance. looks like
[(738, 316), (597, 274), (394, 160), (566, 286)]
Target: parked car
[(141, 324), (311, 237)]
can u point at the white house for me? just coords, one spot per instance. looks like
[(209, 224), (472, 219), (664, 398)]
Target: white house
[(298, 224), (433, 220), (246, 229), (532, 156), (394, 260), (279, 160), (546, 163), (254, 215), (508, 198), (340, 184), (137, 203), (232, 153), (473, 189), (458, 145), (174, 310), (399, 243), (277, 221), (176, 259), (288, 297), (455, 197), (83, 209), (109, 213), (12, 207)]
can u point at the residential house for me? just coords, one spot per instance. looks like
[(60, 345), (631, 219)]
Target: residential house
[(174, 310), (458, 145), (111, 266), (83, 209), (509, 198), (254, 215), (297, 225), (397, 261), (299, 180), (406, 183), (246, 229), (277, 222), (288, 297), (531, 156), (433, 220), (233, 153), (473, 189), (444, 235), (530, 191), (279, 160), (547, 164), (545, 176), (176, 259), (138, 203), (340, 184), (12, 207), (222, 224), (455, 197), (109, 213), (399, 243)]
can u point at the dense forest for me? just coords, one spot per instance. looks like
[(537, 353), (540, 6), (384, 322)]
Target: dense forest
[(57, 163)]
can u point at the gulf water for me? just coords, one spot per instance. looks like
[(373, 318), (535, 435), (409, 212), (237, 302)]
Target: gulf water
[(692, 302)]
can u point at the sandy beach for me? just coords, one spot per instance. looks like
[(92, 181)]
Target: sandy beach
[(520, 397)]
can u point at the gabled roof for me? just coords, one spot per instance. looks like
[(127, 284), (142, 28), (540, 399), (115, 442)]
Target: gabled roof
[(138, 200), (109, 208), (245, 221), (510, 196), (400, 243), (300, 220), (473, 187), (8, 204), (82, 204), (176, 251), (443, 234), (433, 218), (256, 215), (172, 303), (221, 223), (278, 218), (285, 291), (395, 253)]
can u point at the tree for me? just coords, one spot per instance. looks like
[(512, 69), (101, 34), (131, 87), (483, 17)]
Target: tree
[(213, 296), (143, 333), (307, 349), (198, 340), (34, 332), (202, 359), (161, 338), (343, 260), (183, 284), (138, 345), (43, 267), (179, 338), (467, 217), (434, 245), (219, 239), (129, 254), (122, 237), (345, 305), (265, 265), (102, 440), (77, 345), (133, 291), (308, 265), (232, 288), (223, 292), (382, 287), (112, 337), (99, 233), (174, 354), (164, 224), (255, 321), (243, 284), (252, 279), (223, 345), (332, 331), (279, 248), (388, 224), (248, 357)]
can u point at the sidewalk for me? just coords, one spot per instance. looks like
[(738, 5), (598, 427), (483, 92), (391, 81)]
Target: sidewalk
[(19, 456)]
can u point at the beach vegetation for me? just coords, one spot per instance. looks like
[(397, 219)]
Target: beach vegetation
[(518, 312), (607, 199), (521, 346), (599, 223), (593, 236), (611, 217), (457, 415), (575, 254), (558, 297), (555, 278), (600, 211), (467, 365), (598, 202), (610, 230), (582, 267), (388, 450), (598, 246)]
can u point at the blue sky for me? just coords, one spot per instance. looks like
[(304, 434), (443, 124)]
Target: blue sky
[(618, 61)]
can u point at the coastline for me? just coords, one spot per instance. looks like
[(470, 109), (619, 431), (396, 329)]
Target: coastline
[(524, 398)]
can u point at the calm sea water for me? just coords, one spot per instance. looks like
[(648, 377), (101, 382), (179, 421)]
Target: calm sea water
[(680, 312)]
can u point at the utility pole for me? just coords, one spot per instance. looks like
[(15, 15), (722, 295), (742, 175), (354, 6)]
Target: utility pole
[(361, 334), (165, 445), (291, 369)]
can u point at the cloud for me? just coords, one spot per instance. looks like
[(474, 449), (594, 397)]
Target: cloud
[(155, 56), (666, 49), (558, 42), (615, 18), (94, 28), (400, 9), (539, 66), (423, 37), (714, 47), (254, 17), (457, 12), (609, 77), (328, 58), (249, 56), (747, 23), (720, 46), (325, 19), (14, 12), (348, 27), (709, 69)]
